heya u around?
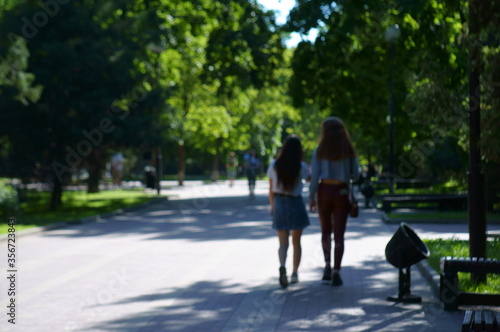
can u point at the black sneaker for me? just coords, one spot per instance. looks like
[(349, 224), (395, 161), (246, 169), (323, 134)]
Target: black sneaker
[(327, 273), (336, 280), (283, 279)]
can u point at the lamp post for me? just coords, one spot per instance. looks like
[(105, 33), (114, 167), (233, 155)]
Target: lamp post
[(391, 34)]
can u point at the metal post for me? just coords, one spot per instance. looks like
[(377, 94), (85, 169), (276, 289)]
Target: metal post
[(476, 194), (159, 170), (391, 34), (391, 119)]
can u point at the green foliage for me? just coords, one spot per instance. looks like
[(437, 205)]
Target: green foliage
[(90, 69), (460, 248), (345, 72), (223, 77), (9, 202), (448, 161), (213, 76), (13, 73), (244, 50)]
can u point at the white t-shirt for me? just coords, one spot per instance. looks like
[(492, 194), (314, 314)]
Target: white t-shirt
[(297, 190)]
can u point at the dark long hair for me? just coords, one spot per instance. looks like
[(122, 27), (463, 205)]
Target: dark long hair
[(288, 162), (335, 143)]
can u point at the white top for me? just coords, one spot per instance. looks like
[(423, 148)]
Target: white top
[(117, 161), (342, 170), (297, 190)]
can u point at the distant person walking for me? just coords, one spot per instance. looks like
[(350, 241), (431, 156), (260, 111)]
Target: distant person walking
[(287, 206), (367, 189), (231, 167), (252, 165), (117, 168), (334, 163)]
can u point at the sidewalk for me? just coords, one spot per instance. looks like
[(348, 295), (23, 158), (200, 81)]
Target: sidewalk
[(206, 260)]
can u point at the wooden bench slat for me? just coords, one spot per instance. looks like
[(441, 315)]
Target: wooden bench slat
[(481, 320), (478, 321), (488, 321), (468, 264), (467, 322)]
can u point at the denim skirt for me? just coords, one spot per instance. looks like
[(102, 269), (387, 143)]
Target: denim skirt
[(289, 213)]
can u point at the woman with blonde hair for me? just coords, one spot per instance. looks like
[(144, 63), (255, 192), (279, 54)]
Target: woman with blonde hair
[(334, 163)]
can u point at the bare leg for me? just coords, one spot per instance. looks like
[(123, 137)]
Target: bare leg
[(283, 240), (297, 249)]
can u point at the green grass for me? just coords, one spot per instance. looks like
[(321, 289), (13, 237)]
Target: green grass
[(75, 205), (460, 248), (439, 215)]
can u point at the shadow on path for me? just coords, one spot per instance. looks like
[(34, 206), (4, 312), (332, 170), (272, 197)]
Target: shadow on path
[(307, 306), (203, 219)]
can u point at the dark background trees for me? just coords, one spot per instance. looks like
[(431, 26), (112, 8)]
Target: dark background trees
[(195, 80), (345, 72)]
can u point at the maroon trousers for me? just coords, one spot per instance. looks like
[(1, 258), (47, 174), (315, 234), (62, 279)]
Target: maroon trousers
[(333, 209)]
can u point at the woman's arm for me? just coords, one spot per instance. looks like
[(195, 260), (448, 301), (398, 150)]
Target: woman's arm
[(306, 174), (271, 195), (313, 187), (355, 173)]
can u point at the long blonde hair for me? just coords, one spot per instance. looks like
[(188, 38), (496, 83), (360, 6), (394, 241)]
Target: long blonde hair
[(335, 143)]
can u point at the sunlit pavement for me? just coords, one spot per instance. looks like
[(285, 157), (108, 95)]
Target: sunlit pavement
[(206, 260)]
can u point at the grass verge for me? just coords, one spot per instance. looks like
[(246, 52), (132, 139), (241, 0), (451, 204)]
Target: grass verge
[(75, 205), (460, 248)]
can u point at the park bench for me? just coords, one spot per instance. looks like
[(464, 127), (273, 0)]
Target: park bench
[(383, 183), (448, 286), (455, 202), (481, 320)]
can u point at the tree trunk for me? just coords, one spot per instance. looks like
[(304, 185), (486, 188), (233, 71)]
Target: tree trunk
[(56, 199), (96, 163), (181, 164), (93, 181), (215, 168)]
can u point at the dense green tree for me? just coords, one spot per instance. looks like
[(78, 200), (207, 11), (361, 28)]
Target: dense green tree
[(242, 54), (90, 89), (345, 72), (16, 92)]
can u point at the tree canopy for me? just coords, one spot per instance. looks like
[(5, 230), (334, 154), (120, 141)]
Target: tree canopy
[(345, 72), (197, 79)]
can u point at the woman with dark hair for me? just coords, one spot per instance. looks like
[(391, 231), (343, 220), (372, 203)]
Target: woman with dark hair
[(287, 206), (334, 163)]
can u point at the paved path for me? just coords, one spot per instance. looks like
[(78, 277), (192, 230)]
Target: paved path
[(206, 260)]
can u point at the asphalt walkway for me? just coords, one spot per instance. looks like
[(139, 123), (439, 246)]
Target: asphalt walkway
[(206, 260)]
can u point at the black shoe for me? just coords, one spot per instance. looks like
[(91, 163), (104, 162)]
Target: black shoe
[(327, 273), (283, 279), (336, 280)]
